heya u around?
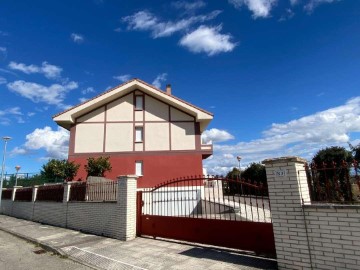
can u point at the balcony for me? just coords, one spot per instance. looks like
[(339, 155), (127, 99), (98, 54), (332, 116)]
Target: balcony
[(206, 150)]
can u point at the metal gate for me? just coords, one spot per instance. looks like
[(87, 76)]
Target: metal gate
[(209, 210)]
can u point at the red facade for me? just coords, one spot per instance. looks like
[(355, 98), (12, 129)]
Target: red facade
[(156, 168)]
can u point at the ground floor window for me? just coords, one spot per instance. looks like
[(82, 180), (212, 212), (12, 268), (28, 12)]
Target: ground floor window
[(139, 168)]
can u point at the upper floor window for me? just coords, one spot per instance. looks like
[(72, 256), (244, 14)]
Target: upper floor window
[(139, 102), (139, 134)]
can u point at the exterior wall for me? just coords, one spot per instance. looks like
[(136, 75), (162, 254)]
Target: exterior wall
[(156, 167), (112, 219), (334, 236), (309, 236), (171, 145), (52, 213)]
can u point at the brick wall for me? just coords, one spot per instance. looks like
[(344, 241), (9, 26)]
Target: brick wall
[(320, 236), (334, 236), (112, 219)]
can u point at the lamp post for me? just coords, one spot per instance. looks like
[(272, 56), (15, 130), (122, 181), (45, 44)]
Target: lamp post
[(17, 168), (239, 160), (5, 139)]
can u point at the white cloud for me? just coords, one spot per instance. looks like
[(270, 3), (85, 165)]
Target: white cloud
[(300, 137), (54, 142), (289, 14), (188, 6), (2, 80), (216, 135), (122, 78), (159, 79), (7, 114), (82, 99), (77, 38), (3, 50), (50, 71), (259, 8), (146, 21), (53, 94), (208, 40), (312, 4), (88, 90)]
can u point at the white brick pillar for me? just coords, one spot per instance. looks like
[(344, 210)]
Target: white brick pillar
[(34, 194), (127, 206), (14, 192), (288, 187), (67, 188)]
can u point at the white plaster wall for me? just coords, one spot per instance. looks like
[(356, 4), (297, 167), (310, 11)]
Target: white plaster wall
[(139, 147), (182, 136), (89, 138), (119, 137), (139, 116), (97, 115), (155, 110), (157, 136), (121, 109), (177, 115)]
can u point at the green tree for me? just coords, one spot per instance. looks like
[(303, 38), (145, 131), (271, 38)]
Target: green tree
[(60, 169), (98, 166), (332, 154), (233, 174), (256, 173), (331, 182)]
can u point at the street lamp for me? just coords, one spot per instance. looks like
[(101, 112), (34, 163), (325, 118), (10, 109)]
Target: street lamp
[(17, 168), (239, 160), (5, 139)]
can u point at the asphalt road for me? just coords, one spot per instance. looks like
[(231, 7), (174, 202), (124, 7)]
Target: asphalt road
[(18, 254)]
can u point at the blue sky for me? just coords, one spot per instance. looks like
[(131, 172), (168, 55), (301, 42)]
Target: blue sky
[(280, 76)]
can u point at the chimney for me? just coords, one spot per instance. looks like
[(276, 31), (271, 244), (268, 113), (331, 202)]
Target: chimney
[(168, 89)]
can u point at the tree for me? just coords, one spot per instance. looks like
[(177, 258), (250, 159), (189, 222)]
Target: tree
[(355, 151), (256, 173), (332, 154), (331, 177), (60, 169), (233, 174), (98, 166)]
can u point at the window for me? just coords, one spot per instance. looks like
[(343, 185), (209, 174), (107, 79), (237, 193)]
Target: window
[(139, 168), (139, 134), (139, 102)]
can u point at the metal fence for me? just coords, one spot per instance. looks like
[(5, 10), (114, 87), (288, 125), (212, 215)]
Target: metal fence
[(24, 194), (208, 198), (94, 192), (6, 194), (334, 182), (50, 193), (28, 180)]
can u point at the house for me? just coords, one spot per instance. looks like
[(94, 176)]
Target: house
[(144, 130)]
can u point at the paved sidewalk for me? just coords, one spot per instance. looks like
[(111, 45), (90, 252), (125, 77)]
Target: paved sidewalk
[(140, 253)]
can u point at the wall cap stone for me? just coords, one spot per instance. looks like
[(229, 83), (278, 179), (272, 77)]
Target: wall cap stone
[(284, 159), (332, 206)]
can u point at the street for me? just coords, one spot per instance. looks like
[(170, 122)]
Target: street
[(18, 254)]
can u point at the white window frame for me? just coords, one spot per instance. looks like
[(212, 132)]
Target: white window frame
[(139, 103), (139, 168), (139, 134)]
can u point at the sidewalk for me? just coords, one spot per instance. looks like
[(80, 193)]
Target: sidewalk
[(141, 253)]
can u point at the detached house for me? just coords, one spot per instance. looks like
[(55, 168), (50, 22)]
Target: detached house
[(144, 130)]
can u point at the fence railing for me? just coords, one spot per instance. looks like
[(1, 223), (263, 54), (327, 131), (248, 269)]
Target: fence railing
[(94, 192), (208, 198), (334, 182), (50, 193), (6, 194), (24, 194)]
